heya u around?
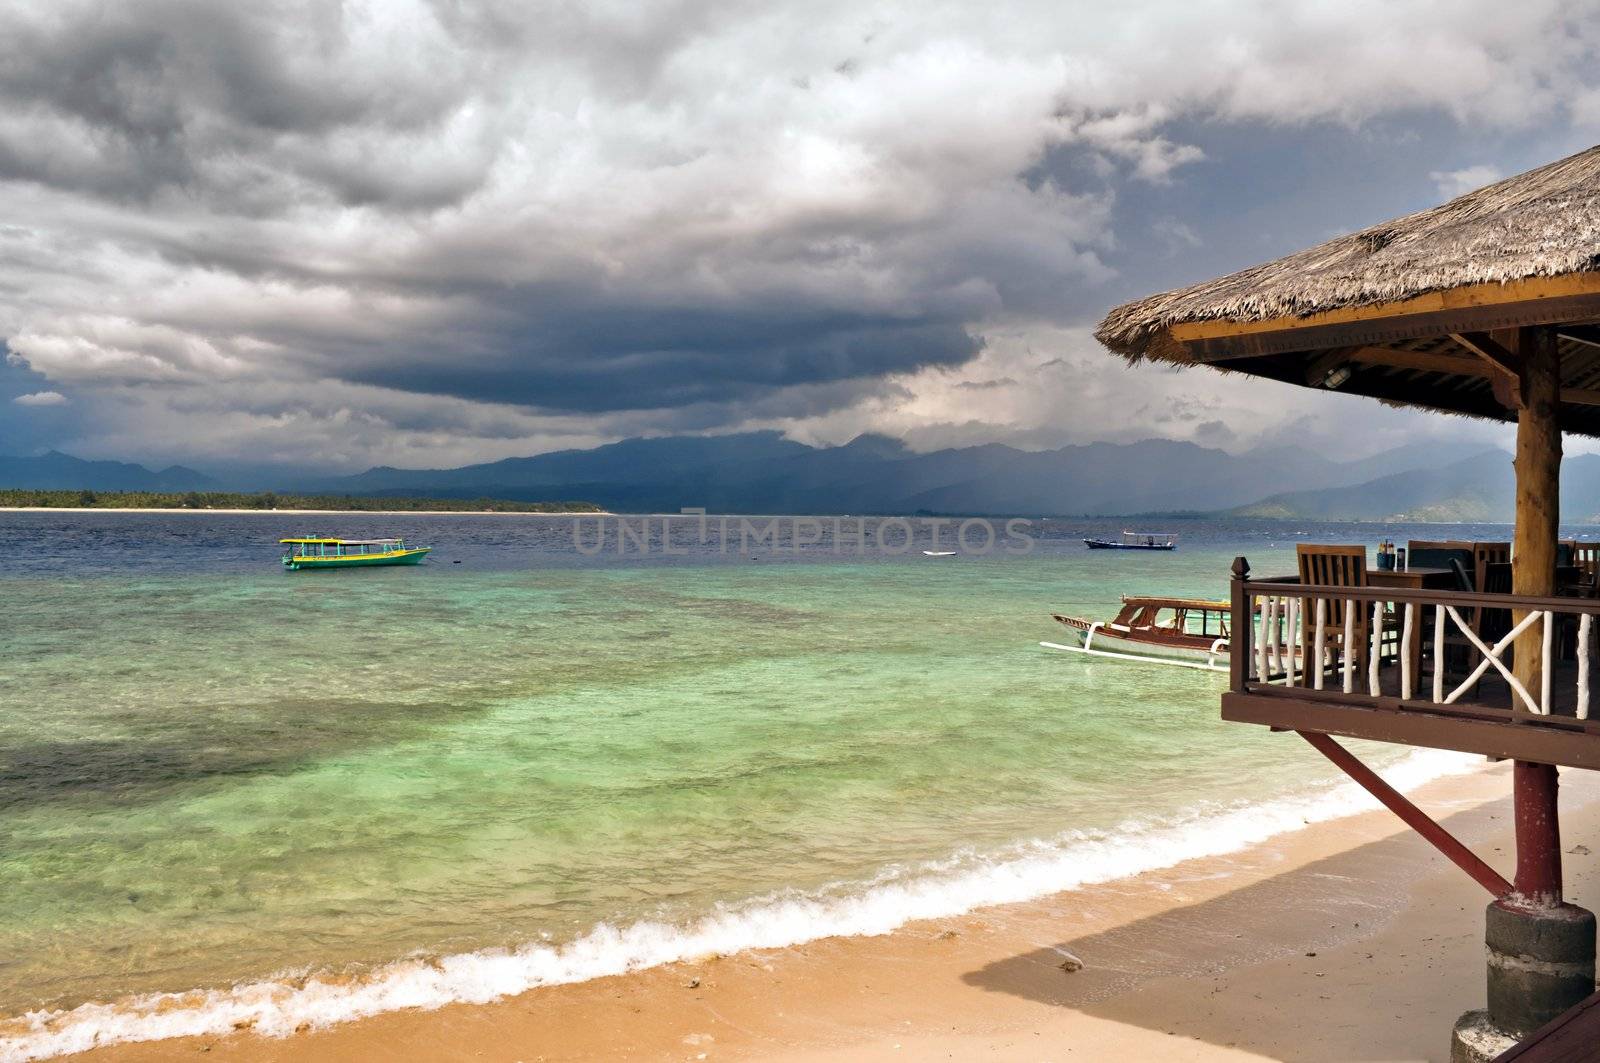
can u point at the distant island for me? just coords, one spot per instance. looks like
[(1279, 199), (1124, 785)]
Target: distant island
[(27, 498)]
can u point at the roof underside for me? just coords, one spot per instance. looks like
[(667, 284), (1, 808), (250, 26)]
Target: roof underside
[(1437, 373)]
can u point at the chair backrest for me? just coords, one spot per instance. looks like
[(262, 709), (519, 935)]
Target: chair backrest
[(1485, 554), (1587, 557), (1493, 623), (1421, 553), (1333, 566), (1566, 549)]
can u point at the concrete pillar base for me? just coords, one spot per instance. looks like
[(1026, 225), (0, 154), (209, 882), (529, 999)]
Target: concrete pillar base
[(1476, 1040), (1541, 962)]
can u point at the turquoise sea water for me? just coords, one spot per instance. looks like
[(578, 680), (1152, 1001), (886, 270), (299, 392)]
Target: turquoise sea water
[(215, 773)]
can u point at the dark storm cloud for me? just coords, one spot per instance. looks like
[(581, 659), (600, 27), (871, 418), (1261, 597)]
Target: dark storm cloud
[(381, 231), (644, 359), (129, 101)]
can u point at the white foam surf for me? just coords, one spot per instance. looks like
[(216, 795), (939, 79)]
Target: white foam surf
[(896, 897)]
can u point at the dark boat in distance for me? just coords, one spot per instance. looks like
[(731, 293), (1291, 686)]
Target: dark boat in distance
[(1136, 541)]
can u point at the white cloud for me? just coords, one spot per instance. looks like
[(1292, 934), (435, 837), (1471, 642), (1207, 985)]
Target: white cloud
[(1453, 183), (41, 398), (1040, 386)]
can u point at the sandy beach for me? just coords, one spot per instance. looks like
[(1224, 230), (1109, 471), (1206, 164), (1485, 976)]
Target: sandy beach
[(1348, 940)]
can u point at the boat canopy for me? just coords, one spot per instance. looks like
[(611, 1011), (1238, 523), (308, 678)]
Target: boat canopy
[(345, 542), (1175, 603)]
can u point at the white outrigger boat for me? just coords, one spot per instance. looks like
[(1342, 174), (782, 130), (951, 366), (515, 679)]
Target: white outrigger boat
[(1188, 632)]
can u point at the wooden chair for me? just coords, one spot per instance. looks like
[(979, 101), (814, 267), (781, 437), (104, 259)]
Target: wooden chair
[(1587, 557), (1332, 566), (1486, 554), (1422, 553), (1455, 555), (1458, 648), (1494, 623)]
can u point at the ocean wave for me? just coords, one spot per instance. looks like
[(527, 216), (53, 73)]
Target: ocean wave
[(894, 898)]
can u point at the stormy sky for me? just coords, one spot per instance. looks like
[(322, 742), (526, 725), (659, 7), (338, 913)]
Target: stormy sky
[(420, 233)]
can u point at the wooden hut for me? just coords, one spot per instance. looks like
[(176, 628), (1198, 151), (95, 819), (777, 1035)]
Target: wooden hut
[(1487, 306)]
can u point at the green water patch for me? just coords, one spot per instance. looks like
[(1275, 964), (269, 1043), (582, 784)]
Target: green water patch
[(222, 778)]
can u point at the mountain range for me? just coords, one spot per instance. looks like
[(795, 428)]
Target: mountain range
[(55, 470), (764, 472), (1480, 488)]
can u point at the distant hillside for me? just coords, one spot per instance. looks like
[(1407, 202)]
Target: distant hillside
[(64, 472), (1478, 488), (762, 472), (37, 498)]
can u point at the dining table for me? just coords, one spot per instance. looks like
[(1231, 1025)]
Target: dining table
[(1412, 579)]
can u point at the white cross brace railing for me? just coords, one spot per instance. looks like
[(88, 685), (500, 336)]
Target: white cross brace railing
[(1294, 644)]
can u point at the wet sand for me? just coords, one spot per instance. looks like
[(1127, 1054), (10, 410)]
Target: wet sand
[(1348, 940)]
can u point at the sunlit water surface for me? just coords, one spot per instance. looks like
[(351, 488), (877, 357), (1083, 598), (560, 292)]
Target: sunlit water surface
[(213, 771)]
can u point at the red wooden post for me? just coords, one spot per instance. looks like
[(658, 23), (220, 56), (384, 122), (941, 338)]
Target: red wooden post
[(1538, 834)]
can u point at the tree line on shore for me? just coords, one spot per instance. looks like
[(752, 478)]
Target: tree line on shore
[(268, 500)]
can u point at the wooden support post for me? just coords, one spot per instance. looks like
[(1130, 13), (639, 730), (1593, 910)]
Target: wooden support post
[(1242, 621), (1541, 952), (1538, 834), (1538, 467)]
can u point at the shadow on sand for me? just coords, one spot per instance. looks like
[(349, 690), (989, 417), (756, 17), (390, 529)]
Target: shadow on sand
[(1331, 902)]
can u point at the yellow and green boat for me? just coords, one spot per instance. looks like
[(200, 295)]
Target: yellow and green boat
[(316, 552)]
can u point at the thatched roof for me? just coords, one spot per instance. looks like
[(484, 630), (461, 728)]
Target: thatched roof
[(1544, 223)]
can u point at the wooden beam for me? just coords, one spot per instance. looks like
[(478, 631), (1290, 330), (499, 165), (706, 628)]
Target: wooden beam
[(1414, 817), (1568, 1038), (1467, 296), (1200, 357), (1507, 376), (1588, 335), (1426, 361), (1490, 350), (1414, 727), (1218, 341), (1454, 365)]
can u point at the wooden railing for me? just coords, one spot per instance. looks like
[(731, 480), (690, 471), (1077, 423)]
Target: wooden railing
[(1406, 649)]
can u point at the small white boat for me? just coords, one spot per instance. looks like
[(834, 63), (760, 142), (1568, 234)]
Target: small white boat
[(940, 553)]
